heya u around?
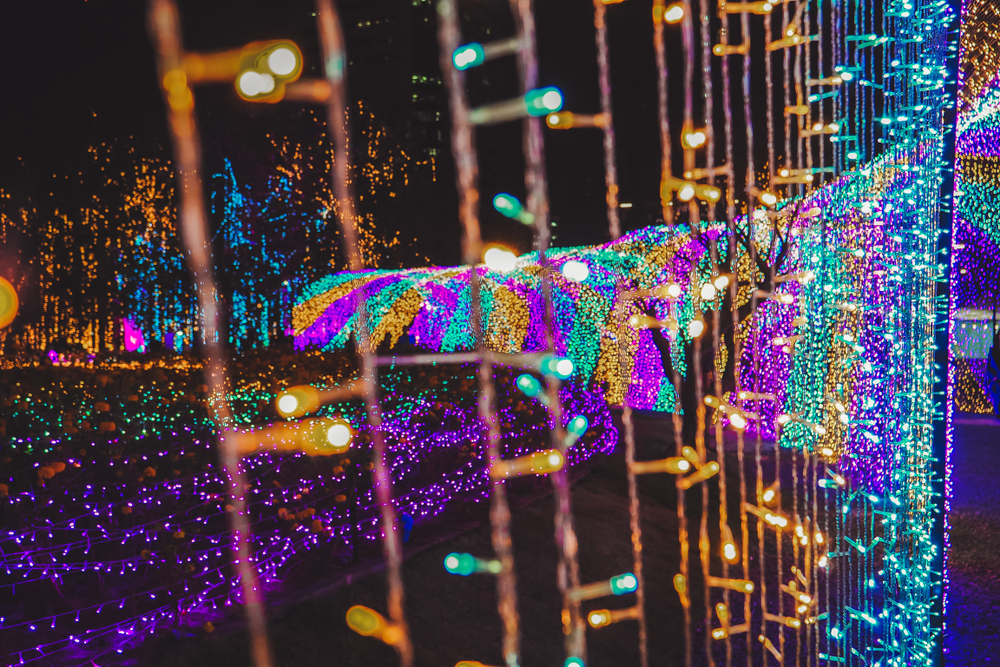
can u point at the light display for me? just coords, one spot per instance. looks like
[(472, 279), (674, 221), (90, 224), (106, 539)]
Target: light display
[(977, 227), (813, 318)]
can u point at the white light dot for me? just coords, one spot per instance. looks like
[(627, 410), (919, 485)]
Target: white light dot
[(552, 100), (708, 292), (674, 290), (287, 404), (564, 367), (498, 259), (253, 83), (575, 271), (338, 435), (282, 61), (696, 328)]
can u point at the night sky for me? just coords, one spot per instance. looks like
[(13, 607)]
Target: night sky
[(83, 73)]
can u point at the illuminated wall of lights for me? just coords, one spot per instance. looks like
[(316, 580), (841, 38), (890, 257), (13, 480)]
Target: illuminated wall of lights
[(977, 220)]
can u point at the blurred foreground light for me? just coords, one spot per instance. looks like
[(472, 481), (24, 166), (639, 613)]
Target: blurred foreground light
[(282, 61), (469, 55), (316, 437), (542, 101), (624, 583), (297, 401), (559, 367), (539, 463), (578, 425), (464, 564), (254, 84), (575, 271), (8, 303), (695, 139), (339, 436), (499, 258), (674, 13), (529, 385), (370, 623)]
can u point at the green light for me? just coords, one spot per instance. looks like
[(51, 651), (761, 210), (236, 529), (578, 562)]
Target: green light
[(529, 385), (507, 205), (578, 425), (469, 55), (542, 101), (559, 367), (573, 662), (460, 564), (624, 583)]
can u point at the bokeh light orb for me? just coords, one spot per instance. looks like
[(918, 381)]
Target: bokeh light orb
[(339, 435), (282, 61), (8, 303), (287, 404)]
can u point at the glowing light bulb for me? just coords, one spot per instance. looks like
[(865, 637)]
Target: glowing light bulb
[(297, 401), (784, 419), (737, 421), (729, 552), (578, 425), (559, 367), (674, 13), (252, 84), (575, 271), (529, 385), (508, 205), (370, 623), (599, 618), (721, 282), (282, 61), (674, 290), (624, 583), (339, 436), (8, 303), (469, 55), (538, 463), (499, 258), (695, 139), (708, 292), (768, 198), (542, 101), (696, 328), (686, 193), (287, 404)]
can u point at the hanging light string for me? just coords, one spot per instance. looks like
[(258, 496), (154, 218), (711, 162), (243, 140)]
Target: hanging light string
[(165, 29), (449, 36)]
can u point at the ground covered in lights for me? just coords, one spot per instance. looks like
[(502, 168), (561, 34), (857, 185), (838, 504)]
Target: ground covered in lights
[(104, 528), (113, 506)]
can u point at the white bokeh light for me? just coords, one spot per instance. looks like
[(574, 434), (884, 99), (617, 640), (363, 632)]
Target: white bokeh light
[(575, 271), (499, 259), (338, 435), (282, 61)]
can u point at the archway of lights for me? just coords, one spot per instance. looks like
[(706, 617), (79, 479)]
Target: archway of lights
[(828, 257)]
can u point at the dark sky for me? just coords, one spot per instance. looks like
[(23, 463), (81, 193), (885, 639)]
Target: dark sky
[(81, 72)]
